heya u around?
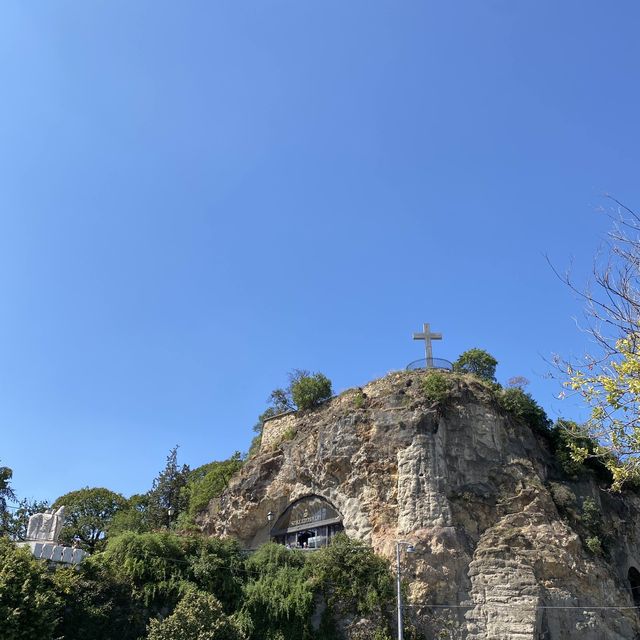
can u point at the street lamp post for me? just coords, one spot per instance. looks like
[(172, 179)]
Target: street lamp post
[(409, 549)]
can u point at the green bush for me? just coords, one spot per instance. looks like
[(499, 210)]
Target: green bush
[(161, 567), (153, 564), (478, 362), (591, 516), (209, 481), (309, 391), (353, 577), (594, 544), (524, 408), (96, 604), (279, 599), (436, 387), (198, 616), (29, 606), (577, 452)]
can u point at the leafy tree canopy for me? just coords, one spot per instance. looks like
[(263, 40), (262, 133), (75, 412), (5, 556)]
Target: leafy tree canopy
[(477, 362), (88, 515), (198, 616), (134, 516), (309, 391)]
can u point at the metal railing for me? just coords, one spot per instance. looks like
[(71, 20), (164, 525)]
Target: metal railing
[(431, 363)]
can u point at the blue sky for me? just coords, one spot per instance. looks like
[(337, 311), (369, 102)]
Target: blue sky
[(198, 197)]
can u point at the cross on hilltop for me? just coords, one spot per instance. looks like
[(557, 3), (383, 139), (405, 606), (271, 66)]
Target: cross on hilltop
[(427, 336)]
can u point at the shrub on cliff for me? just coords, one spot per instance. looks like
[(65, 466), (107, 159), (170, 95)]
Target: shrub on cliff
[(208, 481), (309, 391), (478, 362), (436, 387), (577, 452), (304, 391), (524, 408)]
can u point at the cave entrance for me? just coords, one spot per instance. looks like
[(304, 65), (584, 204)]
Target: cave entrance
[(308, 523), (634, 580)]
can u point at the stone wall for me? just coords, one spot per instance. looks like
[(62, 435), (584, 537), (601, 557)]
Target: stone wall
[(275, 430)]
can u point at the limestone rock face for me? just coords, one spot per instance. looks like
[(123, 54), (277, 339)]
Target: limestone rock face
[(500, 545)]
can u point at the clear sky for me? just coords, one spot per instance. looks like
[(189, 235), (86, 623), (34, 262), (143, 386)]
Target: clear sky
[(197, 197)]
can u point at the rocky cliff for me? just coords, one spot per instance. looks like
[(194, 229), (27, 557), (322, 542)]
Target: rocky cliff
[(498, 528)]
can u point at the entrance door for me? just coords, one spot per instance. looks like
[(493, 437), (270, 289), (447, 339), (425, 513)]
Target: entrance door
[(303, 537)]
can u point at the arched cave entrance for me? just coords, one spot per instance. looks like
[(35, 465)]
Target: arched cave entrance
[(634, 580), (308, 523)]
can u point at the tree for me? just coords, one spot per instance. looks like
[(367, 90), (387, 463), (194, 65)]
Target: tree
[(198, 616), (309, 391), (304, 391), (477, 362), (608, 379), (208, 481), (6, 493), (167, 499), (88, 514), (133, 517), (29, 607)]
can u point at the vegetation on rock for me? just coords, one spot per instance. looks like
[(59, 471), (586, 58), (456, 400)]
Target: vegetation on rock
[(436, 387), (478, 362), (523, 407), (305, 390), (208, 481)]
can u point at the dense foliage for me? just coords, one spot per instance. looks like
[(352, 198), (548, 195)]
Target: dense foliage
[(162, 585), (311, 390), (523, 407), (208, 481), (28, 606), (88, 514), (478, 362), (436, 387), (198, 616)]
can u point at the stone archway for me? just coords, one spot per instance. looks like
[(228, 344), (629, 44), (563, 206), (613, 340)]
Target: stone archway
[(308, 523)]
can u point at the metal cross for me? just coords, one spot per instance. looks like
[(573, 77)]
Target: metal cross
[(427, 336)]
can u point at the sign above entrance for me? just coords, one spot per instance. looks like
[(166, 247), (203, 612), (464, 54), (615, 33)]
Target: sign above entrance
[(310, 511)]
